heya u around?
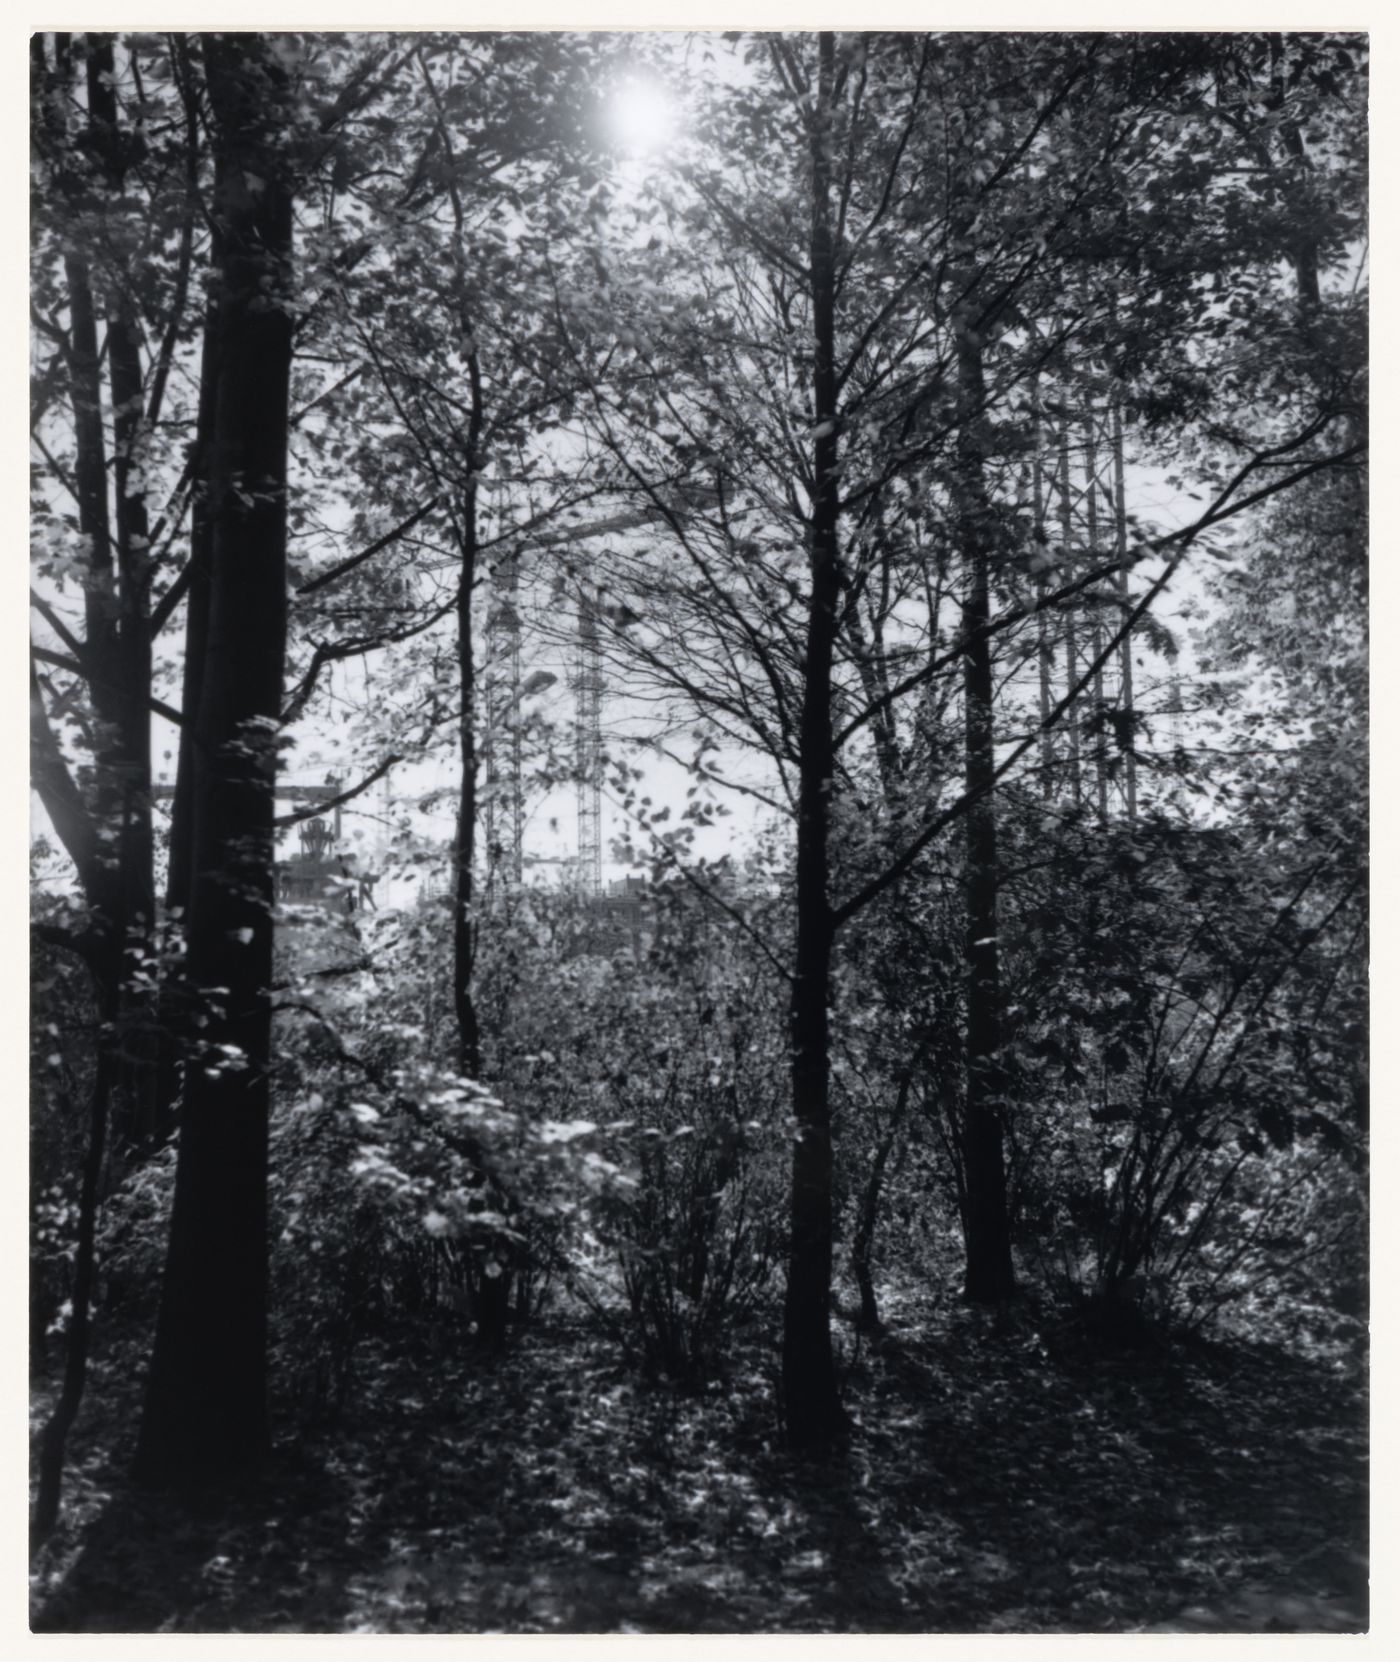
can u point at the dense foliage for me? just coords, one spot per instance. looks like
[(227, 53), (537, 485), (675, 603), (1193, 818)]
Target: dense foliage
[(917, 482)]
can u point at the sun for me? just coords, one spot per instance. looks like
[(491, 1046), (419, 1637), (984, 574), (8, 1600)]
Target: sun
[(641, 116)]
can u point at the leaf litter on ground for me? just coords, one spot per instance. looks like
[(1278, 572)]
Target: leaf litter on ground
[(1006, 1474)]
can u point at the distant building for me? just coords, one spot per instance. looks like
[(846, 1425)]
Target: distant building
[(621, 919), (320, 875)]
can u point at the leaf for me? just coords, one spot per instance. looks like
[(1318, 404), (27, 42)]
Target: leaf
[(565, 1131)]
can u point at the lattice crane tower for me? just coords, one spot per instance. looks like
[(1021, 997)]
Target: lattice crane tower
[(1080, 508), (505, 796), (505, 781), (588, 690)]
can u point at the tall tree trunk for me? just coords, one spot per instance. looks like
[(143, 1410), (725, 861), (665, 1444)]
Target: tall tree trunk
[(1045, 651), (102, 877), (178, 869), (469, 439), (90, 478), (1068, 567), (134, 1086), (205, 1416), (1125, 651), (811, 1402), (109, 837), (492, 1270), (136, 1121), (985, 1222), (173, 1021), (1091, 504), (53, 1442), (464, 900)]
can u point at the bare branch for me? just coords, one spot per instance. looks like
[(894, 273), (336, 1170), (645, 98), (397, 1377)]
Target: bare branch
[(316, 808), (400, 530)]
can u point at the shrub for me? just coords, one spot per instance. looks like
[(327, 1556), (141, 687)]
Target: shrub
[(697, 1238)]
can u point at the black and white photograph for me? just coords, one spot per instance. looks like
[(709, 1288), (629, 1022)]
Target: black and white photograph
[(698, 822)]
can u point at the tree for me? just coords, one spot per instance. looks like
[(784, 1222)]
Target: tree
[(113, 251), (447, 334), (205, 1413), (461, 359), (113, 254), (949, 311), (810, 1400)]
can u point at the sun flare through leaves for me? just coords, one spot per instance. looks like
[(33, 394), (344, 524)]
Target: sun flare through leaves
[(641, 116)]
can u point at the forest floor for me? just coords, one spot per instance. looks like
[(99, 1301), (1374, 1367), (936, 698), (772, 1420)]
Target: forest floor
[(1004, 1474)]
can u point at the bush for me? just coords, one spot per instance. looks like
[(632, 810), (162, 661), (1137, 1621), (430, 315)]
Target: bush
[(696, 1239)]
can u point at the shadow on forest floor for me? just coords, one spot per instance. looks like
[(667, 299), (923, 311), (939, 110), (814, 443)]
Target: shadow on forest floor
[(1000, 1477)]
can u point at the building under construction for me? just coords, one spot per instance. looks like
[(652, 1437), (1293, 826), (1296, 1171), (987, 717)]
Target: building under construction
[(1070, 493)]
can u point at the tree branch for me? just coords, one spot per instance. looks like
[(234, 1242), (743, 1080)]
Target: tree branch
[(59, 627), (78, 668), (316, 808), (400, 530), (61, 797)]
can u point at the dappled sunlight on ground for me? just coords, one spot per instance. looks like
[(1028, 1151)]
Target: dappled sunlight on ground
[(1002, 1476)]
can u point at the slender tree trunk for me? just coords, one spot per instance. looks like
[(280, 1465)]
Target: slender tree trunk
[(863, 1239), (178, 871), (985, 1222), (174, 1012), (1068, 565), (1045, 650), (493, 1268), (136, 1121), (1091, 494), (110, 840), (134, 1087), (54, 1441), (493, 1271), (469, 440), (205, 1416), (868, 1215), (90, 476), (811, 1402), (103, 875), (1125, 651), (869, 654), (464, 899)]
